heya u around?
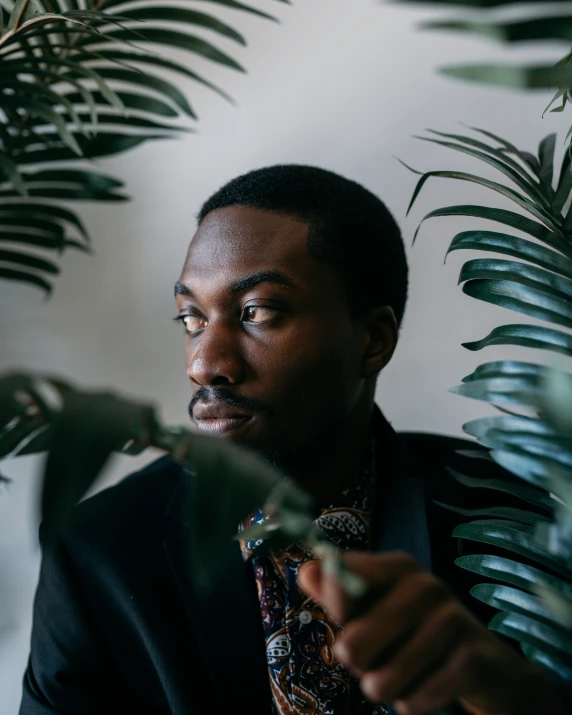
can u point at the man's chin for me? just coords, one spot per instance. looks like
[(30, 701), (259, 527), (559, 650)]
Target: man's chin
[(248, 433)]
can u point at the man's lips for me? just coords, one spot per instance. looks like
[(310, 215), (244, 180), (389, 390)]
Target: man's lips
[(217, 418)]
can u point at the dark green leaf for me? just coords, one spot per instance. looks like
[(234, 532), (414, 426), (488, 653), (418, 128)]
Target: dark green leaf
[(513, 572), (45, 76), (140, 57), (24, 259), (40, 442), (519, 199), (31, 95), (18, 13), (508, 425), (546, 158), (31, 222), (498, 512), (549, 661), (171, 38), (11, 385), (73, 193), (34, 209), (520, 178), (564, 184), (91, 179), (46, 241), (519, 540), (85, 432), (150, 82), (104, 144), (530, 336), (11, 172), (526, 157), (532, 632), (526, 493), (533, 468), (545, 27), (496, 242), (132, 100), (180, 15), (522, 299), (78, 68), (507, 368), (506, 598), (106, 120), (562, 95), (517, 273), (501, 154), (11, 438), (49, 114), (228, 3), (518, 77), (243, 483), (508, 218), (507, 390), (25, 277)]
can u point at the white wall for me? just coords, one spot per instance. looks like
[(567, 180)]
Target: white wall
[(342, 84)]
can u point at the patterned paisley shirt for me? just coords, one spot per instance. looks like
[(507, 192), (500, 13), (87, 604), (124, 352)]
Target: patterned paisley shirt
[(304, 677)]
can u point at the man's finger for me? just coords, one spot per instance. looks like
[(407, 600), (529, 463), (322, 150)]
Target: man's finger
[(324, 588), (428, 649), (375, 636), (381, 571), (310, 579)]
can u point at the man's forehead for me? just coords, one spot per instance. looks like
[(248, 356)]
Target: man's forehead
[(246, 238)]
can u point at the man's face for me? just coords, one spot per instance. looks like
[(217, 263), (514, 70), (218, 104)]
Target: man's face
[(273, 356)]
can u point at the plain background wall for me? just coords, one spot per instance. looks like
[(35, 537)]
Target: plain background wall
[(343, 84)]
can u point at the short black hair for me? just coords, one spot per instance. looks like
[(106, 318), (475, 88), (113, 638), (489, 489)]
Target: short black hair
[(350, 227)]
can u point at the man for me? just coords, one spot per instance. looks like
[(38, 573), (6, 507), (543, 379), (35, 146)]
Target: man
[(291, 298)]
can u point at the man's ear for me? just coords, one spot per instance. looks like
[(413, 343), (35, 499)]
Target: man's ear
[(381, 338)]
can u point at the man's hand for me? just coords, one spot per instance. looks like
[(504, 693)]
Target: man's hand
[(415, 645)]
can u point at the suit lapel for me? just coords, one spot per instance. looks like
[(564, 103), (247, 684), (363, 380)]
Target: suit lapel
[(225, 618), (400, 515)]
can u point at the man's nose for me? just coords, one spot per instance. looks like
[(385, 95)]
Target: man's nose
[(216, 357)]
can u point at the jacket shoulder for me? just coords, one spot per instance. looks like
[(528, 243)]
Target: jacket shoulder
[(138, 500), (439, 458)]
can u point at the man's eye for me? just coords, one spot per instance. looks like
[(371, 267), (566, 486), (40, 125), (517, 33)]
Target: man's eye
[(192, 323), (258, 314)]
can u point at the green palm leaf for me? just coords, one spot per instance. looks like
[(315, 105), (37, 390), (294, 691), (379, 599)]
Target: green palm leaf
[(495, 242), (68, 72), (519, 177), (513, 600), (548, 660), (502, 153), (516, 539), (539, 304), (538, 497), (538, 212), (530, 336), (513, 572), (533, 633), (554, 238)]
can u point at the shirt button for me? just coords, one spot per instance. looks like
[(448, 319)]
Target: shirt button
[(305, 617)]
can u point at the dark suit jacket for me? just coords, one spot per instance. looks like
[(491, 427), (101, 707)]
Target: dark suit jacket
[(119, 628)]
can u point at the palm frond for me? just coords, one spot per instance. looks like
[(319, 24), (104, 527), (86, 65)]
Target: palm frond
[(533, 549), (77, 84)]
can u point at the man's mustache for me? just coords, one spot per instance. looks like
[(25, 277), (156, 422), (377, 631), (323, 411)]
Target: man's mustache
[(223, 394)]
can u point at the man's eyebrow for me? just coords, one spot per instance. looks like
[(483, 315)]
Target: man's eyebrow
[(271, 276), (181, 289), (242, 284)]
